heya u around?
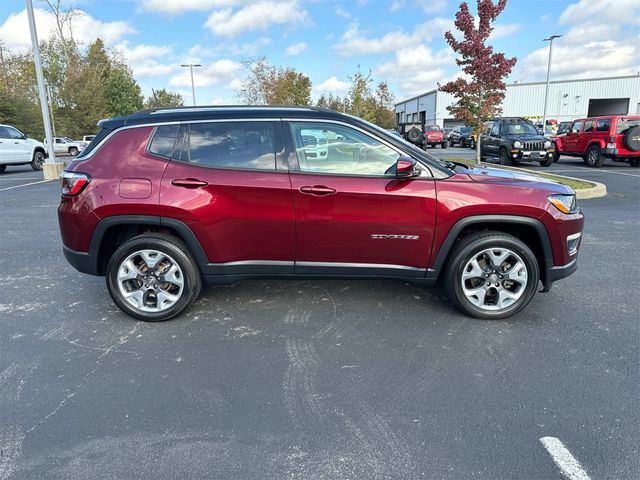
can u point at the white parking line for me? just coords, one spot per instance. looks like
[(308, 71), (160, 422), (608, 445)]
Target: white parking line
[(6, 179), (598, 171), (24, 185), (568, 465)]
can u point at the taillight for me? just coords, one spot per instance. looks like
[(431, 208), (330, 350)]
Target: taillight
[(73, 183)]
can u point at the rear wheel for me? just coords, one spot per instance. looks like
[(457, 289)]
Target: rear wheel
[(444, 144), (594, 157), (634, 162), (73, 151), (491, 275), (38, 161), (505, 159), (472, 143), (153, 277), (3, 168)]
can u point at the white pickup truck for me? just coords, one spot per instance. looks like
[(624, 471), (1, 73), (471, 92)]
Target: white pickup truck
[(66, 146), (17, 149)]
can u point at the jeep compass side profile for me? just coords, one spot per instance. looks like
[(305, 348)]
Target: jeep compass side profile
[(166, 199)]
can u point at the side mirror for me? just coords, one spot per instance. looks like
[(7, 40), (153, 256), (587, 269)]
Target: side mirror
[(406, 167)]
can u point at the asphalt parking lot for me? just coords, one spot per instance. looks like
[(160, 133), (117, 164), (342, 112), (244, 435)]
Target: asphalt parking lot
[(317, 379)]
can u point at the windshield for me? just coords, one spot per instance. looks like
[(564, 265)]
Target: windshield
[(67, 139), (465, 130), (518, 129), (432, 128), (625, 124)]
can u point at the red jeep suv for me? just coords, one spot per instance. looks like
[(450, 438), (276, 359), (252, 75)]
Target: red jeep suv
[(614, 136), (165, 199)]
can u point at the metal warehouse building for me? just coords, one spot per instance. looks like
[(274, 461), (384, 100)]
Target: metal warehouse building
[(568, 99)]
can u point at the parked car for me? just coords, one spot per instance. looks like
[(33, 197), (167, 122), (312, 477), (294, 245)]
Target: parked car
[(447, 133), (433, 136), (17, 149), (394, 132), (65, 145), (315, 144), (88, 138), (515, 139), (462, 136), (595, 138), (160, 204)]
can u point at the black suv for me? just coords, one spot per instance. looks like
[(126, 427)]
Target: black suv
[(514, 140)]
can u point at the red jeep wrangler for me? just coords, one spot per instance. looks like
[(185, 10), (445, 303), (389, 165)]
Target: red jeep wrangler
[(166, 199), (614, 136), (433, 135)]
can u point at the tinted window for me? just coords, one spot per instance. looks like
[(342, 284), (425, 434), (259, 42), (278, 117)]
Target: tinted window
[(603, 125), (233, 144), (624, 124), (518, 128), (588, 126), (163, 140), (4, 133), (495, 131), (328, 148), (14, 133)]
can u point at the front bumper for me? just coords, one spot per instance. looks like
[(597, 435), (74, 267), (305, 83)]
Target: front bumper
[(554, 274), (535, 155)]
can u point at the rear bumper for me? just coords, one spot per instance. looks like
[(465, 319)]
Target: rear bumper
[(616, 153), (84, 262)]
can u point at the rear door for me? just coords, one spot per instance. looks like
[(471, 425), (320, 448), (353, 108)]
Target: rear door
[(22, 149), (227, 180), (351, 217)]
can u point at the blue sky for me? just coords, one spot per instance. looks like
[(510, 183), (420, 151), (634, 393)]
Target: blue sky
[(400, 41)]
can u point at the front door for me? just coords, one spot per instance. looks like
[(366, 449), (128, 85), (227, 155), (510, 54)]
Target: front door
[(351, 217), (223, 181), (571, 139), (8, 153)]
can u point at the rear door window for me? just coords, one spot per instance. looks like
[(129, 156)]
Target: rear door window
[(588, 126), (241, 145)]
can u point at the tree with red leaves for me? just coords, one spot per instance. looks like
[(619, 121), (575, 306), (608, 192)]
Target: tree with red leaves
[(480, 92)]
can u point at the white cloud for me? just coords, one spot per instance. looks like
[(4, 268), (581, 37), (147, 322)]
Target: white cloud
[(14, 32), (505, 30), (427, 6), (257, 16), (332, 85), (342, 12), (295, 49), (177, 7), (354, 42), (143, 59), (217, 73), (249, 49), (416, 69), (600, 41)]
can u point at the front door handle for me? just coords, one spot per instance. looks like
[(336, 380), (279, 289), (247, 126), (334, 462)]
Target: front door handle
[(319, 190), (188, 183)]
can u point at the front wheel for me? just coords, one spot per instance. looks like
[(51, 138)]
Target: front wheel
[(634, 162), (3, 168), (491, 275), (73, 151), (38, 161), (472, 144), (444, 144), (505, 159), (153, 277), (547, 162)]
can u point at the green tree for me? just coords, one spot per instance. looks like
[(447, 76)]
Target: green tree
[(332, 102), (361, 102), (163, 98), (265, 84), (122, 92), (384, 113)]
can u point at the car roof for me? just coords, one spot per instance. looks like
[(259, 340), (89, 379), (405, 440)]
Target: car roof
[(178, 114)]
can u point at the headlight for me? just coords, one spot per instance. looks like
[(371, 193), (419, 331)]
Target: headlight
[(564, 203), (517, 144), (547, 144)]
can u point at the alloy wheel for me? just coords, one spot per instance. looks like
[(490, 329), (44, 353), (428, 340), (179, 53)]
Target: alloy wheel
[(494, 279), (150, 281)]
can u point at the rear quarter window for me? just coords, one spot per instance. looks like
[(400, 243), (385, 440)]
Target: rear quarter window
[(603, 125), (163, 140)]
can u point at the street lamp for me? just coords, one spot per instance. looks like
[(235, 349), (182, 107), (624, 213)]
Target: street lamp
[(549, 39), (193, 88)]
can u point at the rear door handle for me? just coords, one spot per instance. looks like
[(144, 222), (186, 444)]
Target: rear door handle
[(188, 183), (319, 190)]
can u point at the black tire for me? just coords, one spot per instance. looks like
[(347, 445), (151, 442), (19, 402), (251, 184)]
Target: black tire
[(504, 157), (168, 245), (3, 168), (414, 134), (444, 144), (472, 144), (556, 156), (73, 151), (547, 162), (473, 245), (634, 162), (593, 158), (632, 139), (37, 161)]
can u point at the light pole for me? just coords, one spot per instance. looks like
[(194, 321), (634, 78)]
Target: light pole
[(193, 88), (549, 39), (42, 93)]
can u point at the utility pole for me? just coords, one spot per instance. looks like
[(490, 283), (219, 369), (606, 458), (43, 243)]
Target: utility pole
[(52, 169), (193, 88), (549, 39), (53, 123)]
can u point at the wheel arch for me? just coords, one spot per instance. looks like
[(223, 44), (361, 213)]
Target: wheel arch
[(115, 230), (529, 230)]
